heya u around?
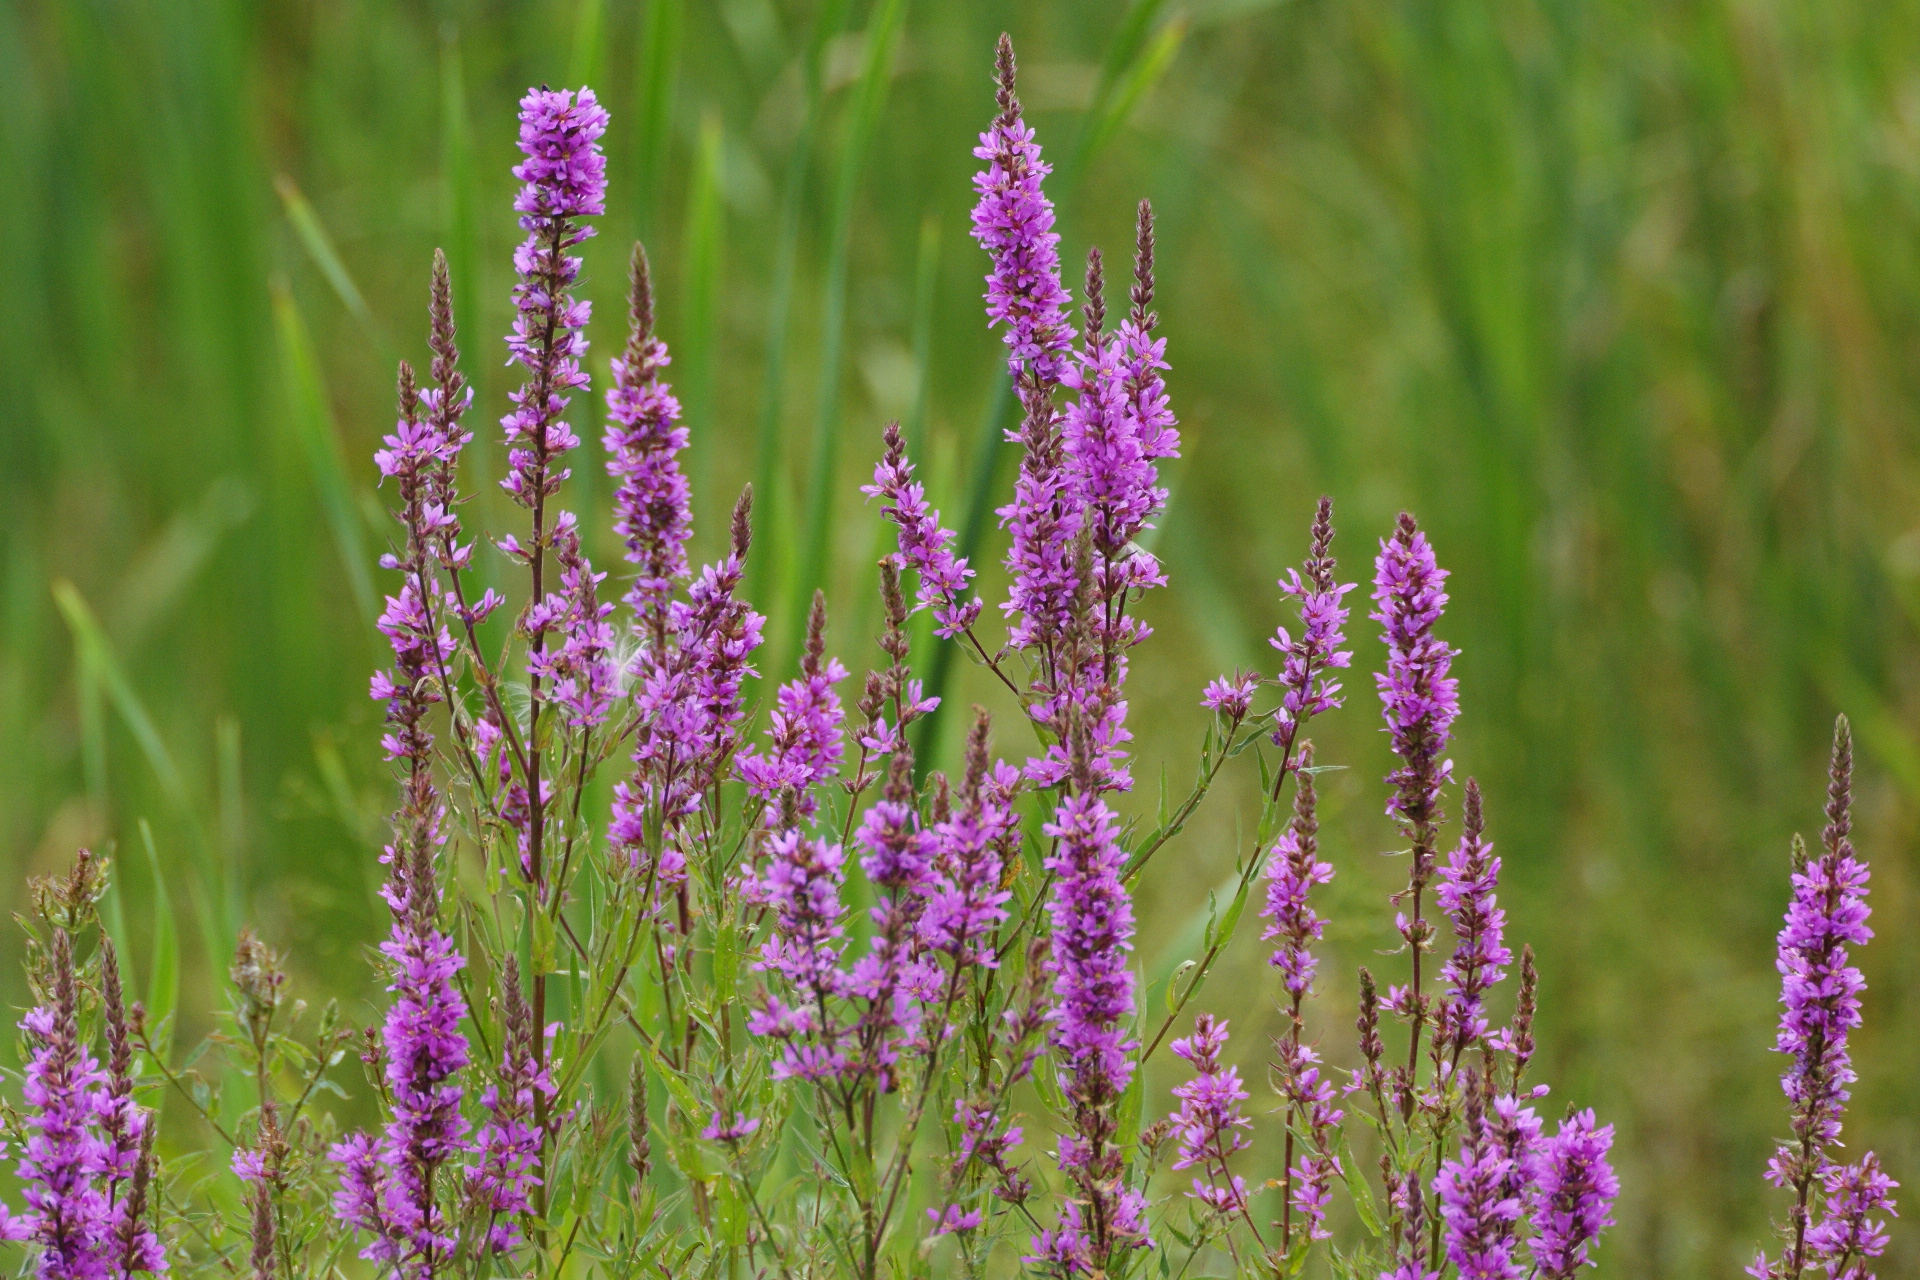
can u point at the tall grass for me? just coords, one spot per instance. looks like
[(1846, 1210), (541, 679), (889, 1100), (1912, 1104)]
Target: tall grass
[(1620, 296)]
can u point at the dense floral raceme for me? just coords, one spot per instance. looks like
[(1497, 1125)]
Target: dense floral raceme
[(688, 972), (1831, 1223)]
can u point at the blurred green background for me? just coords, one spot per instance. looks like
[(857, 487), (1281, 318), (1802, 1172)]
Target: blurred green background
[(1621, 297)]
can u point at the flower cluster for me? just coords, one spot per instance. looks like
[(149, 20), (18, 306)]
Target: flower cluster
[(1831, 1223), (1209, 1120), (841, 974)]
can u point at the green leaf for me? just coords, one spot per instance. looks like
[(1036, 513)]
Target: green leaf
[(313, 423), (313, 237), (863, 116), (163, 977), (1358, 1189)]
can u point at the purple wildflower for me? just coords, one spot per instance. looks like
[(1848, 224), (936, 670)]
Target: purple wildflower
[(1293, 869), (70, 1218), (581, 670), (1042, 522), (564, 177), (966, 903), (1013, 221), (1480, 1204), (1231, 697), (1480, 956), (802, 885), (924, 543), (1310, 1098), (1304, 674), (652, 506), (1208, 1122), (1092, 919), (1821, 991), (804, 729), (1420, 702), (982, 1139), (954, 1219), (898, 862), (507, 1163), (1847, 1236), (1108, 471), (1572, 1195), (1411, 1262), (690, 706), (721, 1129), (1114, 433), (387, 1187), (1420, 698)]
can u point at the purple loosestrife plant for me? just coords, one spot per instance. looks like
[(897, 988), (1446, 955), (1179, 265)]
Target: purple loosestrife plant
[(1209, 1122), (1480, 957), (653, 506), (835, 980), (1420, 700), (1829, 1223)]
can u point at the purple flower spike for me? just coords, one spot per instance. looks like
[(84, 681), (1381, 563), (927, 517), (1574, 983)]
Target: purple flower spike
[(387, 1186), (1480, 956), (565, 179), (1110, 468), (1209, 1120), (1821, 990), (64, 1092), (806, 742), (1013, 221), (1480, 1204), (1310, 1098), (507, 1167), (652, 508), (1092, 937), (690, 704), (1572, 1196), (1092, 918), (1308, 661), (1420, 698), (966, 903), (802, 885), (924, 543), (580, 670), (1293, 869), (1848, 1235)]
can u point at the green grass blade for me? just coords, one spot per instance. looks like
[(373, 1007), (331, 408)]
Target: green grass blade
[(163, 975), (313, 421), (926, 287), (460, 234), (97, 652), (1122, 51), (703, 245), (314, 239), (769, 572), (863, 115), (589, 27), (232, 818), (1141, 77), (658, 65)]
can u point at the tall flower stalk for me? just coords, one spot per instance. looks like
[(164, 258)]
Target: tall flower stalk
[(1830, 1223)]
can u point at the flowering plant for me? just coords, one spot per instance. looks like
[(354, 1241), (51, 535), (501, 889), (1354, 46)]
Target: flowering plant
[(684, 1034)]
